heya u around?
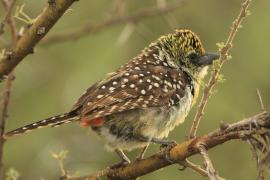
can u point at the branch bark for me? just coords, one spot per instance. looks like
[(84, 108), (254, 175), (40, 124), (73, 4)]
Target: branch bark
[(41, 26), (255, 125)]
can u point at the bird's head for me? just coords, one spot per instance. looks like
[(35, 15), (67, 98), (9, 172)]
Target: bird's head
[(185, 50)]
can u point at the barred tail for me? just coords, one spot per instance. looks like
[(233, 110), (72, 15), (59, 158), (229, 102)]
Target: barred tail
[(52, 121)]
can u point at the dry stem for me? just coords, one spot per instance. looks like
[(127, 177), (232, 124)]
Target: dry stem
[(260, 99), (196, 168), (8, 5), (95, 28), (211, 172), (215, 74)]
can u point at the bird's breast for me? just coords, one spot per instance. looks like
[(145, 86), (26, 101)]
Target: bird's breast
[(159, 121)]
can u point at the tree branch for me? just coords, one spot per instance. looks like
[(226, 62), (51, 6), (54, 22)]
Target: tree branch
[(224, 50), (95, 28), (36, 31), (8, 5), (256, 125)]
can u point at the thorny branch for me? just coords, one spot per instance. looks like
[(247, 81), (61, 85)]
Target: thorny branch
[(256, 125), (95, 28), (211, 172), (224, 51), (8, 5), (35, 32)]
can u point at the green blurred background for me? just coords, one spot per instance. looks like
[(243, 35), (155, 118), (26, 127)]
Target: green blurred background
[(49, 81)]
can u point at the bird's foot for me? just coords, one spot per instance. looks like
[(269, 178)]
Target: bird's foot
[(183, 165), (168, 144), (141, 155), (125, 160), (166, 148), (120, 164)]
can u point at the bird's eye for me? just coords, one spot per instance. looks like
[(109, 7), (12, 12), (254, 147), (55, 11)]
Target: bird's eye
[(193, 56)]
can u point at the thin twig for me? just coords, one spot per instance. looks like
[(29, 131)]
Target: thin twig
[(211, 172), (8, 4), (194, 167), (180, 152), (95, 28), (254, 151), (261, 152), (262, 166), (60, 157), (4, 115), (260, 99), (224, 50)]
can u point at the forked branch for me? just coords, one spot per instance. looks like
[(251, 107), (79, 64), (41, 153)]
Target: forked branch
[(35, 32), (256, 125)]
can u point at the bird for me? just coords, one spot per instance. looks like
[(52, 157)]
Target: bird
[(143, 100)]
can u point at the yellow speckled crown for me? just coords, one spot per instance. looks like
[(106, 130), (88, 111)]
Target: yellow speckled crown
[(190, 39), (182, 41)]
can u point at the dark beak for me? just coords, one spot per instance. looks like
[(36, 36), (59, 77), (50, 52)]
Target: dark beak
[(208, 59)]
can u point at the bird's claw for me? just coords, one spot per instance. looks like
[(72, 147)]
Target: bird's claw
[(166, 148), (183, 165), (168, 144), (182, 168), (119, 164)]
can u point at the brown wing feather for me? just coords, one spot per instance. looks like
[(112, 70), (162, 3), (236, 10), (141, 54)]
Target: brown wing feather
[(141, 83), (142, 90), (90, 92)]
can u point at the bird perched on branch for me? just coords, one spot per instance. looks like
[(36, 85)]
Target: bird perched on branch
[(145, 99)]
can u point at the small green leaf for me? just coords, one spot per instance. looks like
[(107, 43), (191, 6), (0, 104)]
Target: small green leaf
[(220, 45), (216, 65), (221, 78), (62, 155), (248, 12), (22, 16), (12, 174), (229, 57)]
